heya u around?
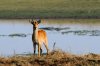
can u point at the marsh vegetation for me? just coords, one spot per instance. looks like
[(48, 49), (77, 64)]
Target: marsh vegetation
[(55, 58), (50, 9)]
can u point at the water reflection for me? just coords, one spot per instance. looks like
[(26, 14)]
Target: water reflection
[(77, 32), (14, 35), (55, 28), (84, 32)]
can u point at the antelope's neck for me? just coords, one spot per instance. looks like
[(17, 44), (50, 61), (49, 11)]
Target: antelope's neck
[(35, 34)]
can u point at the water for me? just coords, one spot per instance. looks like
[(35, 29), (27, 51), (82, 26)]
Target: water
[(78, 36)]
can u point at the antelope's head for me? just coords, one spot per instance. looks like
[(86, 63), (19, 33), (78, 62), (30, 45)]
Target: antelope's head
[(35, 23)]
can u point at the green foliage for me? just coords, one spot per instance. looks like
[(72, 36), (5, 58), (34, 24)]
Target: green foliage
[(49, 8)]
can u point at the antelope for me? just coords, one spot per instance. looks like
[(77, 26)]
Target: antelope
[(39, 37)]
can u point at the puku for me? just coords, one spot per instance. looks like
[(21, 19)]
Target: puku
[(39, 37)]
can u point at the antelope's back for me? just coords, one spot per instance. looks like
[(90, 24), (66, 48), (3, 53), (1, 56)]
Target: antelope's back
[(42, 35)]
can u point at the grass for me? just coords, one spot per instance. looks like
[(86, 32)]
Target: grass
[(55, 58), (50, 9)]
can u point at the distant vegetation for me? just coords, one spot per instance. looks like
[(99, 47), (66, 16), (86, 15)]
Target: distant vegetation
[(50, 8), (55, 58)]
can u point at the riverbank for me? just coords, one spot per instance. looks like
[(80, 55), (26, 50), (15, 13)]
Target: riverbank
[(77, 14), (55, 58), (21, 9)]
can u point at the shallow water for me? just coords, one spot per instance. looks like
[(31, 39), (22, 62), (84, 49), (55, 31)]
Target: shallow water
[(77, 36)]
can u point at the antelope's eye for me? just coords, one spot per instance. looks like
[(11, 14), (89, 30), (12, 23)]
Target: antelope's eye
[(34, 22)]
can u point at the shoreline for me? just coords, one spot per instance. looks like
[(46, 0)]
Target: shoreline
[(50, 17), (55, 58)]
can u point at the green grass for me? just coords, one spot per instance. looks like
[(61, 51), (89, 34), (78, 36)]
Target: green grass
[(50, 8)]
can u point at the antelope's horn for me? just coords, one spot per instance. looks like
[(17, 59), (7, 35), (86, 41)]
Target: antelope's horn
[(39, 21), (30, 20)]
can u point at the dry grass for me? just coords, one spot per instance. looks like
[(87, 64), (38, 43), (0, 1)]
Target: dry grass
[(55, 58)]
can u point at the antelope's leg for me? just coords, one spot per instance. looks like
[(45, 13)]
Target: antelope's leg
[(38, 50), (46, 46), (34, 45)]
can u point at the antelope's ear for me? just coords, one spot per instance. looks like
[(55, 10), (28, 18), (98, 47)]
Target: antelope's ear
[(39, 21), (31, 21)]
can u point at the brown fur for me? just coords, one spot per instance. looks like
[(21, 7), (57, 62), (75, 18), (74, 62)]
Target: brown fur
[(39, 37)]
